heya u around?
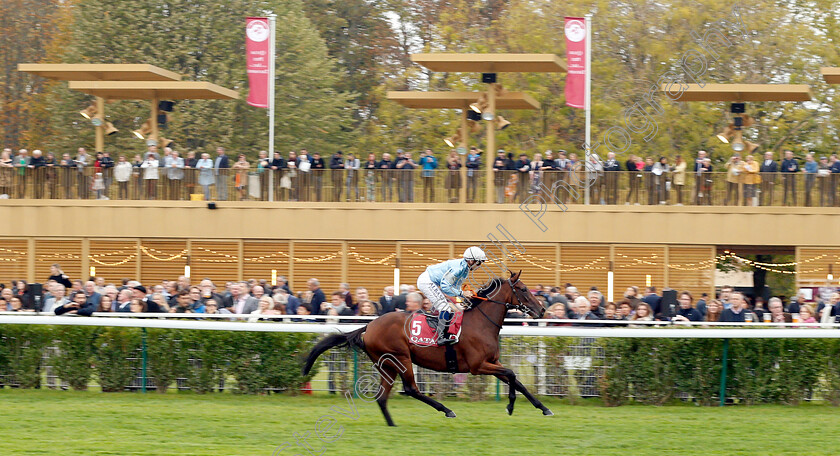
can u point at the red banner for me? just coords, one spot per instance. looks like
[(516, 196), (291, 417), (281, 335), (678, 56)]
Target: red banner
[(257, 34), (575, 61)]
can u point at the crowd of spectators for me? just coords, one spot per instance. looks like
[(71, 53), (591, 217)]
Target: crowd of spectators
[(304, 176), (260, 300)]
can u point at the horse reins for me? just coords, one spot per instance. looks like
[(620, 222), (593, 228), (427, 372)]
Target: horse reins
[(518, 306)]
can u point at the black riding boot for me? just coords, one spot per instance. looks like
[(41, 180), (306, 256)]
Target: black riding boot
[(444, 338)]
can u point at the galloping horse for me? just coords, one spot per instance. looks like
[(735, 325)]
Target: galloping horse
[(477, 351)]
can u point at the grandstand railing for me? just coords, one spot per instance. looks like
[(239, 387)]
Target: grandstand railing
[(529, 350), (407, 186)]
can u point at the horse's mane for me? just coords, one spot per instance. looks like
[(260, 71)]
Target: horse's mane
[(485, 289)]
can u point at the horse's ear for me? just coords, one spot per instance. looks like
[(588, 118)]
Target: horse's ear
[(515, 277)]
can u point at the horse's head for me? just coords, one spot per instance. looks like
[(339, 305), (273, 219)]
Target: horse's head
[(520, 298)]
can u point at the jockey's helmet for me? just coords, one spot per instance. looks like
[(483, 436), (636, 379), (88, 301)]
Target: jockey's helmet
[(476, 254)]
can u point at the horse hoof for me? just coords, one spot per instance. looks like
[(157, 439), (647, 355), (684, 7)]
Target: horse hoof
[(450, 414), (509, 410), (547, 412)]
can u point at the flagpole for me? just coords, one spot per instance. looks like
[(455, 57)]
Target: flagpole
[(272, 25), (587, 102)]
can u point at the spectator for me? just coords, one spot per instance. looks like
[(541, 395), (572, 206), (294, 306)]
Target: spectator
[(386, 302), (205, 174), (136, 177), (428, 163), (777, 313), (500, 169), (796, 303), (661, 176), (452, 181), (139, 306), (810, 170), (265, 307), (368, 309), (122, 174), (16, 305), (734, 171), (473, 164), (111, 292), (714, 310), (686, 312), (59, 276), (123, 302), (105, 304), (337, 306), (625, 309), (263, 167), (405, 171), (643, 313), (174, 165), (834, 167), (413, 302), (318, 297), (829, 308), (79, 305), (337, 174), (611, 312), (725, 293), (583, 309), (352, 166), (220, 167), (679, 173), (278, 169), (7, 168), (611, 173), (595, 307), (768, 170), (789, 169), (806, 314), (161, 301), (212, 307), (57, 299), (304, 167), (701, 304), (241, 168), (150, 175), (824, 179), (386, 165), (523, 169), (738, 311), (370, 167), (91, 293), (751, 181), (241, 302), (183, 304), (557, 312), (318, 170), (653, 300)]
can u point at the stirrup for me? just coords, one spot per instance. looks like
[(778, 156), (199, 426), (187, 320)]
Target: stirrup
[(443, 336)]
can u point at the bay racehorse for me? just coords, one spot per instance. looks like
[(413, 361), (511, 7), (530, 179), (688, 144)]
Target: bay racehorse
[(477, 351)]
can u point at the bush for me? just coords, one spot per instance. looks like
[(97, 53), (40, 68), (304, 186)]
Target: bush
[(75, 347), (114, 347), (21, 350), (167, 357)]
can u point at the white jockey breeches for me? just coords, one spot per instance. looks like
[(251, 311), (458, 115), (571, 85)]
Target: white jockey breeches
[(433, 292)]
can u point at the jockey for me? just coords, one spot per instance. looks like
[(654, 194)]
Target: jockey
[(444, 279)]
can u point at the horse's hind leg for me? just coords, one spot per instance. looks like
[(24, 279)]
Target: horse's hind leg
[(388, 374), (515, 383), (411, 389)]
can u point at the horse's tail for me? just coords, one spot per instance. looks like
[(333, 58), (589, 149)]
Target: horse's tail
[(352, 339)]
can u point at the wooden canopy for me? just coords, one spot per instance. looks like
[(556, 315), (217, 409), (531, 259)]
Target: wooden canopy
[(459, 100), (831, 74), (744, 92), (98, 72), (491, 63), (154, 90)]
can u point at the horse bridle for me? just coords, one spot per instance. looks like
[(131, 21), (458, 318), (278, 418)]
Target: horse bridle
[(518, 306)]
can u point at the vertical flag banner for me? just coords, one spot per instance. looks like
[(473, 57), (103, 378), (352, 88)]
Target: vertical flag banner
[(575, 61), (257, 52)]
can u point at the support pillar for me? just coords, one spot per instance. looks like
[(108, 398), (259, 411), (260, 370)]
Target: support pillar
[(99, 143), (490, 153), (465, 143)]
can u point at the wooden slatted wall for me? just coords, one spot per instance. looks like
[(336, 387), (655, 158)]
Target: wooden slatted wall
[(162, 260), (13, 258), (320, 260), (416, 257), (218, 260), (538, 264), (584, 266), (261, 257), (114, 259), (66, 252), (691, 269), (371, 265), (814, 265), (632, 264)]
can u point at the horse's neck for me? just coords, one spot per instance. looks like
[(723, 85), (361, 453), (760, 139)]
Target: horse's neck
[(493, 311)]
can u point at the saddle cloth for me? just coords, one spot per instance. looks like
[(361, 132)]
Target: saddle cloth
[(422, 328)]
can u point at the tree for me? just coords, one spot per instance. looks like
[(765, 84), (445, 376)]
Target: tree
[(204, 40)]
